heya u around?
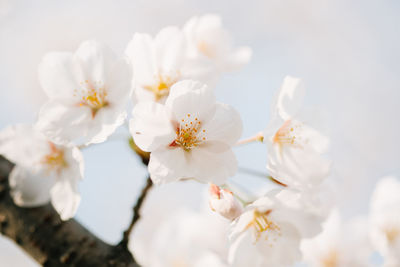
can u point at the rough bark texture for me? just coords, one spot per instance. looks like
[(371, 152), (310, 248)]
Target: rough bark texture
[(50, 241)]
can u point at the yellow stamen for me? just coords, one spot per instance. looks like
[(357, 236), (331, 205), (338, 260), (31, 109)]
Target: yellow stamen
[(288, 134), (93, 97), (187, 134), (55, 160), (161, 87), (262, 223)]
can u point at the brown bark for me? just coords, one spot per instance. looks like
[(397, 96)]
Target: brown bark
[(50, 241)]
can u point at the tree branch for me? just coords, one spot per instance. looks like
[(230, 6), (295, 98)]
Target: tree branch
[(136, 211), (50, 241)]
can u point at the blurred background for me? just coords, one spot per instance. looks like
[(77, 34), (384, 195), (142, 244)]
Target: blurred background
[(347, 53)]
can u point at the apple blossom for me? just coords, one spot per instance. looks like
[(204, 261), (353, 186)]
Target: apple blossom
[(207, 39), (189, 137), (294, 145), (269, 232), (160, 62), (44, 171), (385, 220), (87, 91), (223, 202), (339, 245)]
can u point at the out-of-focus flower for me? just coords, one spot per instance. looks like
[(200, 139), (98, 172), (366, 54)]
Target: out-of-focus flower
[(189, 238), (210, 259), (87, 91), (339, 245), (269, 232), (160, 62), (179, 201), (294, 145), (189, 137), (44, 171), (223, 202), (385, 220), (181, 232), (208, 40)]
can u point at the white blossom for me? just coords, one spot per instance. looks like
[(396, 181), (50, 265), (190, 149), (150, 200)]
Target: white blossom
[(193, 238), (44, 171), (160, 62), (181, 203), (208, 40), (87, 91), (269, 232), (339, 245), (294, 144), (385, 220), (189, 137), (223, 202), (180, 232)]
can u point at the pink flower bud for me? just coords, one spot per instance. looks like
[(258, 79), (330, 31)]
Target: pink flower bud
[(223, 202)]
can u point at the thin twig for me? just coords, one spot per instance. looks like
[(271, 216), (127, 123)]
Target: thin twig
[(136, 211), (260, 174)]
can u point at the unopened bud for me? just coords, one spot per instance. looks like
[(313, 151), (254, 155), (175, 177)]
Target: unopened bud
[(224, 202)]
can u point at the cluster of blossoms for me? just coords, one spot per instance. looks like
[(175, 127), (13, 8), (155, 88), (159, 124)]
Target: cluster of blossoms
[(190, 135)]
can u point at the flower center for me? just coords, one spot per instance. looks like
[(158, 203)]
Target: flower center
[(392, 233), (162, 86), (206, 49), (189, 133), (261, 223), (331, 260), (93, 96), (288, 134), (55, 160)]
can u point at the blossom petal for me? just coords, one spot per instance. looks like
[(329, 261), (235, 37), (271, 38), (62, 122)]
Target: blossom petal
[(193, 98), (96, 60), (63, 123), (59, 75), (30, 189), (243, 253), (74, 159), (239, 57), (168, 165), (151, 126), (140, 51), (201, 69), (169, 49), (208, 166), (65, 198), (295, 167), (105, 123), (289, 98), (23, 145), (225, 126), (119, 83)]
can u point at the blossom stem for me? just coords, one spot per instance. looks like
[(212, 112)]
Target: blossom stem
[(243, 195), (259, 137), (261, 174), (136, 211)]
